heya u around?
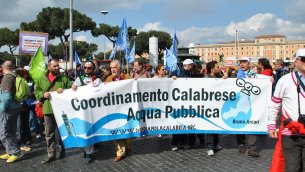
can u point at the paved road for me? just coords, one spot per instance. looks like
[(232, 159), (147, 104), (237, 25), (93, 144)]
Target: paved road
[(150, 154)]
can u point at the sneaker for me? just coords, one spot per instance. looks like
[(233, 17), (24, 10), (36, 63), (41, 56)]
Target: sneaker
[(174, 148), (25, 148), (5, 156), (160, 135), (14, 157), (217, 147), (210, 152), (241, 148), (38, 136)]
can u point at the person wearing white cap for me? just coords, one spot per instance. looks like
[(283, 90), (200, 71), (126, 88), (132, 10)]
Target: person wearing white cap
[(289, 97), (180, 140), (245, 71)]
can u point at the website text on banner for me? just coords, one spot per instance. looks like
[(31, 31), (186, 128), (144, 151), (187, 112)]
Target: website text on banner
[(131, 108)]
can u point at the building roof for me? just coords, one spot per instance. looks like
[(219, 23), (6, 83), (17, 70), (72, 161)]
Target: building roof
[(270, 36)]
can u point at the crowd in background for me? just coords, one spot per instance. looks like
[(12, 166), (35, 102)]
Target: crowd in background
[(28, 123)]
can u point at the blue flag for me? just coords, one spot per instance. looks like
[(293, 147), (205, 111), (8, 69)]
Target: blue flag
[(132, 53), (122, 41), (113, 52), (77, 60), (171, 60), (174, 45), (172, 55)]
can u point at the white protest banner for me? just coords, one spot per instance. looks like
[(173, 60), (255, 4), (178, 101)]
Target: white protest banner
[(130, 108)]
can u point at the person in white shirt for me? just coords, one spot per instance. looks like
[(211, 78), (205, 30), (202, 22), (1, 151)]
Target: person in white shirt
[(89, 78), (289, 98)]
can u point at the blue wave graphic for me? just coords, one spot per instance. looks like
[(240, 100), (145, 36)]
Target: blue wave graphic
[(196, 114)]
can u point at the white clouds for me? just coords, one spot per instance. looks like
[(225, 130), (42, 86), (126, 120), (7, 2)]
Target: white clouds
[(12, 13), (253, 24), (153, 26), (258, 24), (81, 38)]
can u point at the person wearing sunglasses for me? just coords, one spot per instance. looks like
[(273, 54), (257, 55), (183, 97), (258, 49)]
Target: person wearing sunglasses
[(289, 98), (88, 78), (160, 71)]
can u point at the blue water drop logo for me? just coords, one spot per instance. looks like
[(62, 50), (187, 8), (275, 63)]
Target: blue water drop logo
[(236, 113)]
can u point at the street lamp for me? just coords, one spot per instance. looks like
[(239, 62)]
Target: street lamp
[(104, 13)]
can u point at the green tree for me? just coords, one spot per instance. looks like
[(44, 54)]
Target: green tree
[(142, 41), (84, 49), (111, 32), (9, 38), (55, 21)]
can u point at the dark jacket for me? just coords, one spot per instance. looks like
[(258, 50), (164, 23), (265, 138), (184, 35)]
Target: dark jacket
[(279, 73), (181, 73)]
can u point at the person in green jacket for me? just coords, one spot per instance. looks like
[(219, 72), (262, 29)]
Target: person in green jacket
[(43, 94)]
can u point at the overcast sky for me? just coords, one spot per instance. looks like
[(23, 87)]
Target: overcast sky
[(197, 21)]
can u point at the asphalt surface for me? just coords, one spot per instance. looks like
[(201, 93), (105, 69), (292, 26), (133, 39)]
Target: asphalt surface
[(150, 154)]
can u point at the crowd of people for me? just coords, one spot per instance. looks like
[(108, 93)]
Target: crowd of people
[(91, 73)]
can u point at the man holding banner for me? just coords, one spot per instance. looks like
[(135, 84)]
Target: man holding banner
[(245, 71), (123, 146), (52, 81), (89, 78)]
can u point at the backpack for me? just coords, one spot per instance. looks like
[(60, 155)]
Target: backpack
[(22, 88)]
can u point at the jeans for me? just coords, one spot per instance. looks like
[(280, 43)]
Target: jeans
[(35, 122), (211, 141), (8, 125)]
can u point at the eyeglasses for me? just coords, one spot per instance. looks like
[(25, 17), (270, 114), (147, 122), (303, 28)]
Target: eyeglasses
[(302, 59), (89, 68)]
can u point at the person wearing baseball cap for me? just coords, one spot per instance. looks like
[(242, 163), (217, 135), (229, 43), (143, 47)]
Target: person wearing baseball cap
[(289, 99), (245, 71), (184, 141)]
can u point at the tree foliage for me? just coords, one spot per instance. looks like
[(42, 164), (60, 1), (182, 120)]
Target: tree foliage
[(82, 48), (111, 32), (55, 21), (142, 41), (9, 38)]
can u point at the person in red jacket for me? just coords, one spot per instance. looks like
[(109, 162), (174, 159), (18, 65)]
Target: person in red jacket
[(264, 64)]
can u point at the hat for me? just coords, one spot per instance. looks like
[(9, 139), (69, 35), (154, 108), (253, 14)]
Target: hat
[(244, 58), (8, 65), (26, 68), (300, 53), (188, 61)]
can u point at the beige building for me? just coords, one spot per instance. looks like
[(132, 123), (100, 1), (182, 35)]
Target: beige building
[(269, 46)]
